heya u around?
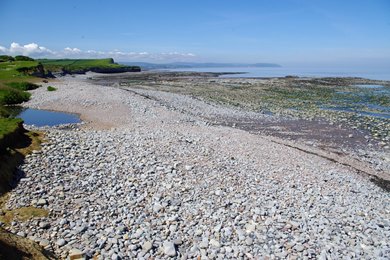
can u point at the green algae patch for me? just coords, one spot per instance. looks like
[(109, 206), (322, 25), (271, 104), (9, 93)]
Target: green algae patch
[(23, 214)]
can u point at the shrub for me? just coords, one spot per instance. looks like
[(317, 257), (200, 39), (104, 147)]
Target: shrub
[(50, 88), (4, 112), (13, 96), (23, 85), (24, 70), (4, 58), (23, 58)]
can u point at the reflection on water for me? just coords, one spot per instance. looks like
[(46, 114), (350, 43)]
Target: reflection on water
[(39, 117), (366, 100), (250, 72), (360, 112), (369, 86)]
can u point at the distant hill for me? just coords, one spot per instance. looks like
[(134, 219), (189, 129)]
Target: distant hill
[(184, 65)]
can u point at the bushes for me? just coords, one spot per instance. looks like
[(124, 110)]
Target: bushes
[(23, 58), (15, 92), (50, 88), (23, 85), (23, 70), (4, 58), (13, 96)]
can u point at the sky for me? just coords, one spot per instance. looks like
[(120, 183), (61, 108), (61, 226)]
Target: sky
[(287, 32)]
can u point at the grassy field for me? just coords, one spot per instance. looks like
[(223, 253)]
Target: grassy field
[(10, 70), (78, 63)]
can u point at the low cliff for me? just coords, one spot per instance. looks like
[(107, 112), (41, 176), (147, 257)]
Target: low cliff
[(101, 70), (81, 66)]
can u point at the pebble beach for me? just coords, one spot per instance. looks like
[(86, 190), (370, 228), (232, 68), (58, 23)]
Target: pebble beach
[(142, 180)]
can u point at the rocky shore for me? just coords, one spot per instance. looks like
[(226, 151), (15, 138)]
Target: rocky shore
[(143, 178)]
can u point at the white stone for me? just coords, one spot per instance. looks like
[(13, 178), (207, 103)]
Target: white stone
[(169, 249)]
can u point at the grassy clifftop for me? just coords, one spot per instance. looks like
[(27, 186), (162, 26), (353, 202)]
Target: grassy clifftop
[(83, 65), (16, 70), (14, 77)]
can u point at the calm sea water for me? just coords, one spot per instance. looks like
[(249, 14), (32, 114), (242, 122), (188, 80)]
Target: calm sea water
[(249, 72)]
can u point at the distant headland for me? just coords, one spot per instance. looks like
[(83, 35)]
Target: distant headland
[(187, 65)]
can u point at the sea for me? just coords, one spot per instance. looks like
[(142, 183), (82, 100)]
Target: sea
[(254, 72)]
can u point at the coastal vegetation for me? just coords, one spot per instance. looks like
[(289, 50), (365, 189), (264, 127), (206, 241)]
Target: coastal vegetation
[(16, 77), (50, 88), (10, 96)]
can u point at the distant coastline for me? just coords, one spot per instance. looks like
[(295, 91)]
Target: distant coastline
[(259, 70), (192, 65), (268, 72)]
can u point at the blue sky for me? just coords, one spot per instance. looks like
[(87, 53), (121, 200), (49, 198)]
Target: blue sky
[(297, 32)]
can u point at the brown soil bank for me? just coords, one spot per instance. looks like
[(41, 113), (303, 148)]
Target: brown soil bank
[(15, 247), (14, 146), (11, 156)]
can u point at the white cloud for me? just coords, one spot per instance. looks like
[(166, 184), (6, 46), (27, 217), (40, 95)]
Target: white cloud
[(28, 49), (36, 51), (72, 50), (3, 49)]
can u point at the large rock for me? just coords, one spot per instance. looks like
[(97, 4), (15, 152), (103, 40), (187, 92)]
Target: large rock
[(76, 254), (169, 248)]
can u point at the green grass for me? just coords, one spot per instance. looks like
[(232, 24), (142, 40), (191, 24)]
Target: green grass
[(9, 70), (8, 125), (78, 63), (50, 88), (14, 82)]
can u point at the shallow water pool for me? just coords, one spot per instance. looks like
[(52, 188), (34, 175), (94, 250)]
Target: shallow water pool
[(40, 117)]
